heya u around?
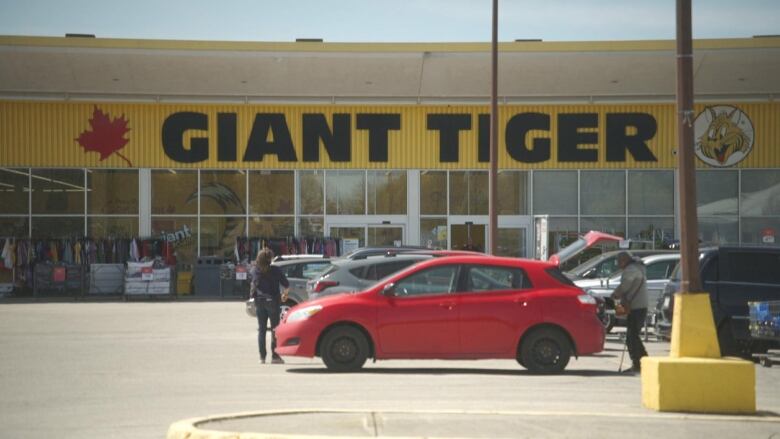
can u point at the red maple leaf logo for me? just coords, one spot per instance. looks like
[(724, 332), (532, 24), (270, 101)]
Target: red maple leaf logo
[(107, 136)]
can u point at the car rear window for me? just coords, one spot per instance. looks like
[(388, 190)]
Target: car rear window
[(754, 267), (558, 275)]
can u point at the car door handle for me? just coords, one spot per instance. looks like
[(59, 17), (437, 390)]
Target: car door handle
[(448, 305)]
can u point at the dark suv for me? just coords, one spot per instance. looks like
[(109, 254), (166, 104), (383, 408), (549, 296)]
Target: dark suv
[(733, 276)]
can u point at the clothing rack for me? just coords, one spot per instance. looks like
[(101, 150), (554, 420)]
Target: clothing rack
[(246, 249)]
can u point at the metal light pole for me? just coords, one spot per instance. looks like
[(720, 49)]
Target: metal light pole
[(689, 229), (493, 173)]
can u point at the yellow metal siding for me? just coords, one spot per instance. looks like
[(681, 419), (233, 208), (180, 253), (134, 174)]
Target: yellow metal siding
[(43, 134)]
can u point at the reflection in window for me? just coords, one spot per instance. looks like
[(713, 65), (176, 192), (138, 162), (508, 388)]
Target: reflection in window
[(650, 193), (386, 192), (14, 191), (112, 191), (311, 226), (484, 278), (511, 242), (603, 192), (468, 193), (763, 231), (613, 226), (718, 230), (555, 193), (433, 232), (174, 192), (218, 235), (272, 192), (657, 230), (433, 192), (112, 227), (716, 192), (271, 226), (58, 227), (512, 188), (311, 188), (437, 280), (380, 236), (346, 192), (760, 193), (222, 192), (58, 191), (16, 227), (184, 231)]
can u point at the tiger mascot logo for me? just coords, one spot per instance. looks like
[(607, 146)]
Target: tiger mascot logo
[(724, 136)]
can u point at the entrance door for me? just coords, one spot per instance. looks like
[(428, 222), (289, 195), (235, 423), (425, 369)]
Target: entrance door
[(385, 235), (352, 237), (467, 236)]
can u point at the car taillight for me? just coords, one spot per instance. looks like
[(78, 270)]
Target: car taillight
[(323, 284)]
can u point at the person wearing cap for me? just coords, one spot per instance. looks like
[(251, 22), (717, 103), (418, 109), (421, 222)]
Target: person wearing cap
[(632, 294)]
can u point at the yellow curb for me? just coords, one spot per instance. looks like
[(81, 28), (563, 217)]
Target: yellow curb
[(188, 428)]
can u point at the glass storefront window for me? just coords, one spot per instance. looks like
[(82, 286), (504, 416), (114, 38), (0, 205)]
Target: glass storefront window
[(218, 235), (603, 193), (555, 193), (760, 193), (761, 231), (14, 191), (384, 235), (112, 227), (511, 242), (386, 192), (716, 192), (512, 193), (715, 230), (186, 248), (311, 187), (345, 192), (271, 226), (433, 192), (433, 232), (222, 192), (272, 192), (650, 193), (112, 191), (611, 225), (17, 227), (468, 193), (311, 227), (653, 230), (358, 233), (58, 191), (174, 192), (57, 227)]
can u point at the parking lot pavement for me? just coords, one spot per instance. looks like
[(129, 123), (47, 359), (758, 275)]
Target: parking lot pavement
[(129, 370)]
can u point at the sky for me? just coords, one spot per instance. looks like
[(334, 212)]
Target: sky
[(385, 20)]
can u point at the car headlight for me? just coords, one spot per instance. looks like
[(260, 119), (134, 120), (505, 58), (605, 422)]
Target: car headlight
[(303, 313), (586, 299)]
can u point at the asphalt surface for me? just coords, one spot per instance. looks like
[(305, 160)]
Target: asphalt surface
[(129, 370)]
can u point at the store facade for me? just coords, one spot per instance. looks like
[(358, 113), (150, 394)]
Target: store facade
[(203, 144), (380, 174)]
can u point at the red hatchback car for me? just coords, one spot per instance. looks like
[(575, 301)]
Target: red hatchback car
[(459, 307)]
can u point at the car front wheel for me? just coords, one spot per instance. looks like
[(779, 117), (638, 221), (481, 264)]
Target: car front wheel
[(344, 349), (545, 351)]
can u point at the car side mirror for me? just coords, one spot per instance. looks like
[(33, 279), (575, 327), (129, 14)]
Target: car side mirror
[(389, 290)]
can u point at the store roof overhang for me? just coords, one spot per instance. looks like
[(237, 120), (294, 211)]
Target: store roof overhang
[(311, 72)]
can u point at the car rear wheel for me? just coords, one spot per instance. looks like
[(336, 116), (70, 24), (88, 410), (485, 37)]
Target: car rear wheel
[(545, 350), (344, 349)]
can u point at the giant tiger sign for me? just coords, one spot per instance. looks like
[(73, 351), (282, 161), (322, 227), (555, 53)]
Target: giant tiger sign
[(270, 135)]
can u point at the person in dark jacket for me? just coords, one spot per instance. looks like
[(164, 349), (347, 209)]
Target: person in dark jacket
[(266, 279), (632, 294)]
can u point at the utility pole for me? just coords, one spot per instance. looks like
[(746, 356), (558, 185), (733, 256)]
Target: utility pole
[(493, 173), (689, 228)]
